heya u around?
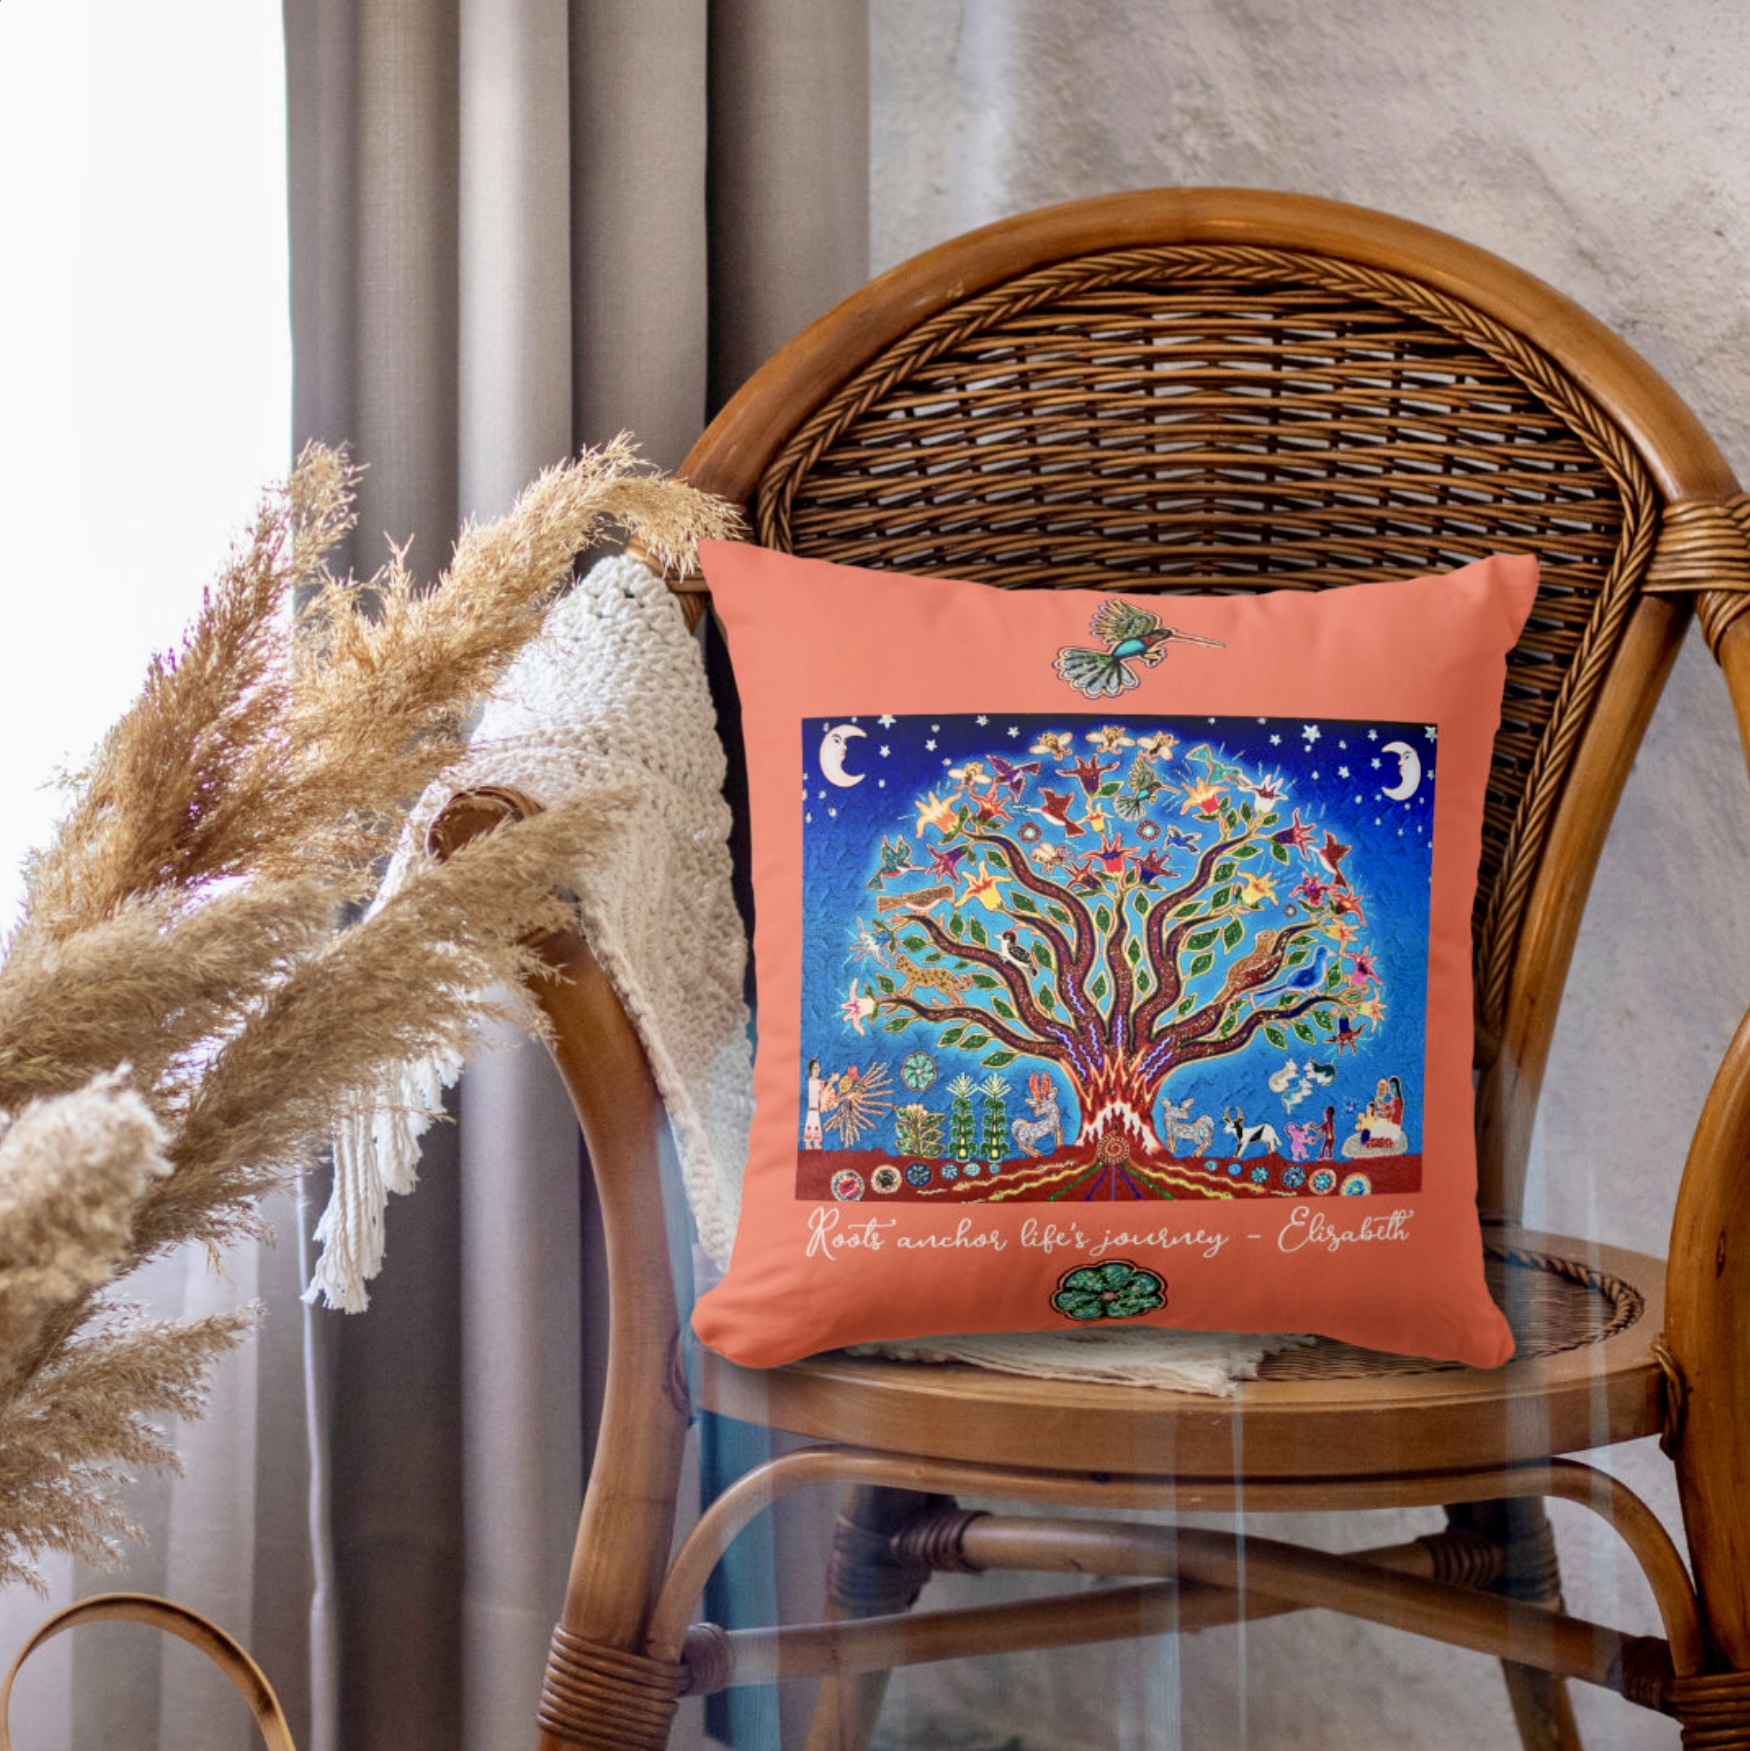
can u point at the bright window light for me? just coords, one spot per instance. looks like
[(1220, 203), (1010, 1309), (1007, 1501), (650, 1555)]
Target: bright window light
[(145, 356)]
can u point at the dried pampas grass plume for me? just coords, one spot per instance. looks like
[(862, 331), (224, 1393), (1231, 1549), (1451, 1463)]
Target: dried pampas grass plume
[(180, 1010)]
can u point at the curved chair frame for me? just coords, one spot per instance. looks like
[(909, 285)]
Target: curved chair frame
[(810, 447)]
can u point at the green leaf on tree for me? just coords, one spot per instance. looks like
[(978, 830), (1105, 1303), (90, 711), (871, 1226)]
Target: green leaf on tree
[(985, 982), (899, 1024), (1023, 903), (1230, 820), (886, 984), (1233, 934), (997, 1059), (1275, 1036), (949, 1035), (1269, 820), (973, 1041), (1002, 1009), (1297, 954), (1098, 989), (1133, 953), (1184, 911), (1247, 812), (1279, 852), (1303, 1032), (957, 925), (1246, 851), (1046, 1000), (1184, 1006), (1228, 1024), (1042, 954), (915, 944), (1224, 869), (1058, 913), (1110, 788), (1103, 918), (1199, 939), (978, 934), (1201, 965), (1322, 1018), (1220, 898), (933, 955)]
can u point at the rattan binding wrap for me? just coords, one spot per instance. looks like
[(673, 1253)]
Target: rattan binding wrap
[(1705, 549), (1223, 418), (605, 1699), (1552, 1303)]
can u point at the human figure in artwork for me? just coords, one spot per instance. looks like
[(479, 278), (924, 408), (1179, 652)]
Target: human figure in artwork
[(1392, 1107), (1327, 1134), (812, 1136), (1379, 1126)]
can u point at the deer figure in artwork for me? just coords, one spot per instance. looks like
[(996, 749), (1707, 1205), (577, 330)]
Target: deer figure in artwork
[(1177, 1126), (1047, 1120)]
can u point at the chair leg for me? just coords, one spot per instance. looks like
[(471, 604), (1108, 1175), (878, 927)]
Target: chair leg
[(867, 1579), (1543, 1710)]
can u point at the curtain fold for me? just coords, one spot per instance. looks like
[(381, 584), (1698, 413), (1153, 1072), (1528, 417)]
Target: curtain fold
[(519, 226)]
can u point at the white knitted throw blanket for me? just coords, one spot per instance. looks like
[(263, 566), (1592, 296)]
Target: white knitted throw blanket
[(609, 710)]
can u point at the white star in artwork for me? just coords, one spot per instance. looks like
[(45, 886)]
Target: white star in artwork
[(820, 796), (1358, 799), (1315, 773), (1275, 741), (935, 726), (885, 751), (1376, 820), (1375, 762), (1429, 731), (833, 813), (931, 744), (1342, 771), (947, 759), (808, 816), (1212, 720), (881, 784), (1342, 744), (981, 720), (887, 720), (1014, 729), (1373, 735), (1309, 733)]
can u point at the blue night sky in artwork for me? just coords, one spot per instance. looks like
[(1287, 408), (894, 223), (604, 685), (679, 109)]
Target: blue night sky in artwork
[(1333, 775)]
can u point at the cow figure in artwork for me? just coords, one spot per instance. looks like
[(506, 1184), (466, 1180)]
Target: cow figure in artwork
[(1244, 1135)]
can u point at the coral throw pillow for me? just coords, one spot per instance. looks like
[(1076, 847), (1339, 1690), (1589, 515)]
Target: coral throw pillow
[(1113, 956)]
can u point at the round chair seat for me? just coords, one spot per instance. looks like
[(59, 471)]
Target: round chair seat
[(1586, 1318)]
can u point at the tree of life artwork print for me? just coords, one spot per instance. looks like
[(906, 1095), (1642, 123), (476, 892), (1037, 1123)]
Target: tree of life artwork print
[(1094, 956)]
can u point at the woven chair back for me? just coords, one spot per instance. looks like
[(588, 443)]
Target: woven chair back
[(1222, 419)]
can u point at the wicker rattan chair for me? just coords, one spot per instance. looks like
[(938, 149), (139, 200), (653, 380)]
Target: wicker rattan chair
[(1209, 390)]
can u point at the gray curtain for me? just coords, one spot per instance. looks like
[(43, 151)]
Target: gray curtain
[(519, 226)]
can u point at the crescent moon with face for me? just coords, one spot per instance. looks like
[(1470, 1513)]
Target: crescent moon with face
[(832, 756), (1409, 771)]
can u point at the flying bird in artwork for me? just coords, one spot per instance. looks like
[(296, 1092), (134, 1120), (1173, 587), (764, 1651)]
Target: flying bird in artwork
[(895, 855), (1056, 808), (1131, 635)]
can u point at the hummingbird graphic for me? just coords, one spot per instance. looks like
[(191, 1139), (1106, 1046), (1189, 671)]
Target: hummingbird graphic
[(1132, 635)]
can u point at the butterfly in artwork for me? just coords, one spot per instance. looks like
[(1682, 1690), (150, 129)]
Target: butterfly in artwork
[(1131, 635)]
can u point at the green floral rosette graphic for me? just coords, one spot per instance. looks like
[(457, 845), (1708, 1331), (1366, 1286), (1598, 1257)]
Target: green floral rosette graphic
[(1113, 1289)]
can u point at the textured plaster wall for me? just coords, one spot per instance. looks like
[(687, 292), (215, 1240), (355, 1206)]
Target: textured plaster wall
[(1604, 145)]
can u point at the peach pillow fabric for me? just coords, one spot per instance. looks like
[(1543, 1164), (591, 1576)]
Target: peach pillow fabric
[(1113, 957)]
